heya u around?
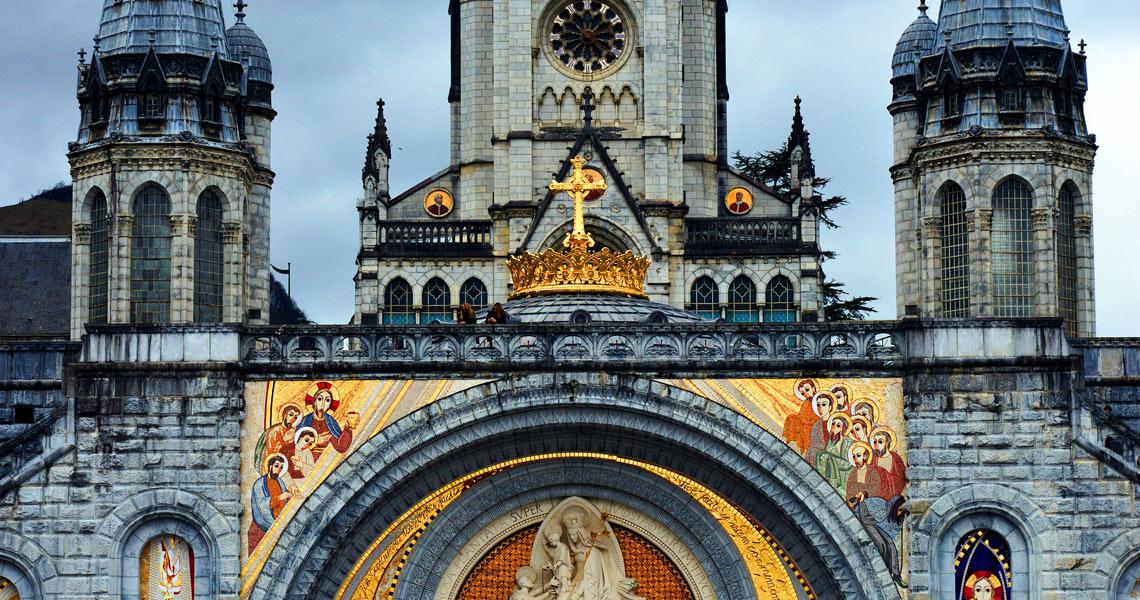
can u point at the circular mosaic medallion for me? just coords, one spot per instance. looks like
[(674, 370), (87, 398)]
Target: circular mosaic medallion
[(738, 201), (438, 203)]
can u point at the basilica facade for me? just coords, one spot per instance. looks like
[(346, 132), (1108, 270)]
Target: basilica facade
[(588, 360)]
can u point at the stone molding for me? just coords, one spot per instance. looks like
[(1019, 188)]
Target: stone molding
[(951, 509), (161, 508), (1118, 557), (844, 562), (28, 566), (644, 503)]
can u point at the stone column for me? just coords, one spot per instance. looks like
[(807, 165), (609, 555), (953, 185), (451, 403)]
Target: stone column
[(80, 277), (119, 266), (1086, 283), (981, 266), (1045, 302), (932, 266), (181, 269), (232, 282)]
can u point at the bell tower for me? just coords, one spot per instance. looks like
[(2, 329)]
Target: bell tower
[(171, 168), (993, 165)]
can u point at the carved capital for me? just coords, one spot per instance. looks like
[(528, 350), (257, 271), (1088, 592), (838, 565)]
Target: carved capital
[(231, 232), (81, 233), (178, 224), (932, 226), (191, 225), (971, 219), (985, 219), (1041, 217), (124, 223), (1082, 225)]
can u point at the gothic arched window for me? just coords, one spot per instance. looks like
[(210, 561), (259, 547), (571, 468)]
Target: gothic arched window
[(398, 303), (955, 243), (1067, 258), (473, 292), (436, 301), (166, 569), (150, 256), (779, 301), (983, 568), (208, 259), (704, 298), (100, 259), (1012, 246), (742, 301)]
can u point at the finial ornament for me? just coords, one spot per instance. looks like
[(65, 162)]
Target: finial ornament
[(1082, 45), (240, 6), (1009, 30), (82, 56), (578, 270), (588, 107), (151, 36), (96, 39), (922, 7)]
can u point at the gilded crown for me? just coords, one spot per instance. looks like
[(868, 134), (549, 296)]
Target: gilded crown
[(578, 270)]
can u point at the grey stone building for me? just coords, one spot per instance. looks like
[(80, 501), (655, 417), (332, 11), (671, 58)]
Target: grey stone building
[(720, 242), (603, 442), (993, 166)]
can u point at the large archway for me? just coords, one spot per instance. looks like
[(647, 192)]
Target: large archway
[(619, 416)]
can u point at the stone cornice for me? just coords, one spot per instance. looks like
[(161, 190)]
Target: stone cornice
[(959, 150)]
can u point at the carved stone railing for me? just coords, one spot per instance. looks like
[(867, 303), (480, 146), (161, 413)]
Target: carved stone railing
[(741, 236), (641, 346), (434, 238)]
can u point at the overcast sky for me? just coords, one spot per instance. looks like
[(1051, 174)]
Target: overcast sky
[(332, 59)]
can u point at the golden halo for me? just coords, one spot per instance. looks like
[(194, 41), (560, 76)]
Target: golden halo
[(874, 407), (815, 403), (739, 201), (890, 433), (859, 444)]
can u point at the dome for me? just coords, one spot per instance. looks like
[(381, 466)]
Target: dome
[(600, 308), (985, 23), (180, 26), (241, 40), (922, 32)]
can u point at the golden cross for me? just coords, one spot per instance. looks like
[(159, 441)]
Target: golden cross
[(578, 186)]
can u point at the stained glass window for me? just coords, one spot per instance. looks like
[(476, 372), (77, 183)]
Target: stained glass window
[(166, 569), (100, 253), (8, 590), (704, 298), (1067, 259), (955, 243), (1012, 243), (398, 303), (779, 301), (473, 292), (982, 567), (742, 301), (436, 301), (208, 259), (150, 257)]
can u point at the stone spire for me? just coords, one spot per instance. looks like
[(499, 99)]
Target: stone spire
[(799, 140), (378, 141)]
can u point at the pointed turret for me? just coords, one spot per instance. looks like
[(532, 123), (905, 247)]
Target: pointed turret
[(799, 145), (378, 145)]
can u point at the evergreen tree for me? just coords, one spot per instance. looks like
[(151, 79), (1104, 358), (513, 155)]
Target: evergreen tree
[(774, 168)]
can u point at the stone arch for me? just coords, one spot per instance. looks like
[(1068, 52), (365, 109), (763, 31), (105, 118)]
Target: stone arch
[(548, 106), (934, 193), (1119, 559), (132, 187), (230, 197), (1033, 183), (83, 209), (607, 233), (631, 417), (139, 518), (1024, 525), (764, 279), (27, 566), (609, 482)]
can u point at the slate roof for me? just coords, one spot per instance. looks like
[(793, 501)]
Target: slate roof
[(984, 23), (181, 26), (923, 32), (559, 308), (240, 40), (35, 289)]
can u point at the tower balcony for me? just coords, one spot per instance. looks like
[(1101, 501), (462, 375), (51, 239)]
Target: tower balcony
[(416, 239), (748, 237)]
